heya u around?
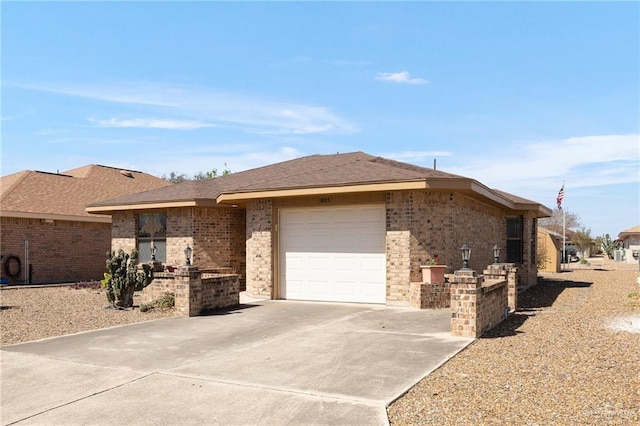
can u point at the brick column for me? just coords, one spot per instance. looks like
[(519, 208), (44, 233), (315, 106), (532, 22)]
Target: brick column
[(512, 288), (465, 289), (509, 273), (188, 284)]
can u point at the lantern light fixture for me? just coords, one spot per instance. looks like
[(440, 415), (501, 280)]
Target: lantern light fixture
[(496, 254), (465, 250)]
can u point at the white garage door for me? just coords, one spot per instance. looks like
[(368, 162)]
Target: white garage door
[(333, 254)]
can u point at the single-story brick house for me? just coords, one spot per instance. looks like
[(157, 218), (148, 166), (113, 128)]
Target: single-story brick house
[(346, 227), (630, 243), (47, 234)]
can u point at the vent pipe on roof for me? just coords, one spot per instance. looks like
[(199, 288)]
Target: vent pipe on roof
[(434, 164)]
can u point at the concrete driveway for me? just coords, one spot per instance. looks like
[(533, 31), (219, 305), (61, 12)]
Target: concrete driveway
[(272, 362)]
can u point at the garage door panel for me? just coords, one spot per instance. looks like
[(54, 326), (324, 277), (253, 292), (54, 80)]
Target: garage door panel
[(370, 289), (294, 217), (318, 217), (319, 263), (373, 263), (373, 215), (318, 288), (346, 263), (333, 254)]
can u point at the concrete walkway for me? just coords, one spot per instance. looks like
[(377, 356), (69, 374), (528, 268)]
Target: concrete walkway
[(271, 362)]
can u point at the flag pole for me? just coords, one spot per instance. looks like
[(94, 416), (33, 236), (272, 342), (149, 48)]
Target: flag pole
[(564, 238)]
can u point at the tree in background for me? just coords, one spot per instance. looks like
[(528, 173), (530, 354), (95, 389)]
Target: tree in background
[(583, 241), (213, 173), (554, 223), (175, 177)]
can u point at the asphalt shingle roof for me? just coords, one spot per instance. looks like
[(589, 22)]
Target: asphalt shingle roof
[(315, 171), (306, 172), (68, 193), (630, 231)]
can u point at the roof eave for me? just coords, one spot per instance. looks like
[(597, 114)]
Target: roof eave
[(241, 197), (153, 205), (97, 218)]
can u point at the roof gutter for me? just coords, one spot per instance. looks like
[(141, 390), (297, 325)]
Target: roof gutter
[(105, 209), (236, 197), (101, 218)]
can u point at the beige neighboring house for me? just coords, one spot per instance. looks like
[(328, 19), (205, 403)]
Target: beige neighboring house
[(630, 241), (549, 250), (47, 234), (344, 228)]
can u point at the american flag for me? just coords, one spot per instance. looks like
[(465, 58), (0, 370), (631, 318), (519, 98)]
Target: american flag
[(560, 197)]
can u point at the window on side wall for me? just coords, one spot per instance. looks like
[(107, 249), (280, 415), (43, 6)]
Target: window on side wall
[(152, 232), (514, 239)]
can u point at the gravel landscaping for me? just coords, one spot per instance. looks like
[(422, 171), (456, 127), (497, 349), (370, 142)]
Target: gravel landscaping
[(569, 356), (35, 313)]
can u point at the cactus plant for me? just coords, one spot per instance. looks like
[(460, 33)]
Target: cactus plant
[(124, 278)]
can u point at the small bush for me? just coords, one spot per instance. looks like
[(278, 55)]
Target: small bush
[(167, 301)]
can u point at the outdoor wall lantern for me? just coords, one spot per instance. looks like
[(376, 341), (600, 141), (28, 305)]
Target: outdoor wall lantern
[(187, 254), (153, 252), (466, 253), (496, 254)]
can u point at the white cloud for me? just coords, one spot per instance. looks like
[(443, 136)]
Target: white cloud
[(582, 162), (402, 77), (152, 123), (243, 157), (251, 114)]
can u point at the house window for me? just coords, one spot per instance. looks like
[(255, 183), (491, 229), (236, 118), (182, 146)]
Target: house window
[(514, 239), (152, 231), (534, 242)]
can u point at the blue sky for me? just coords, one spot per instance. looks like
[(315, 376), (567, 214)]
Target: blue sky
[(520, 96)]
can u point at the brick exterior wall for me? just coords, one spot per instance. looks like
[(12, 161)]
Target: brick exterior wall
[(398, 245), (216, 235), (60, 251), (420, 226), (180, 227), (424, 224), (123, 231), (259, 240), (219, 240)]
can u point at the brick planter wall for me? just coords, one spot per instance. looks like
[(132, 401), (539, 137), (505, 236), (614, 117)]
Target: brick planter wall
[(476, 304), (430, 296), (195, 295)]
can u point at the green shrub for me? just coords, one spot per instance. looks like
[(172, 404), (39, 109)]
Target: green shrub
[(167, 301)]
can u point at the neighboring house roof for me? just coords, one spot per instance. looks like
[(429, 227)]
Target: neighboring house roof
[(548, 231), (629, 232), (557, 230), (314, 175), (64, 196), (556, 238)]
